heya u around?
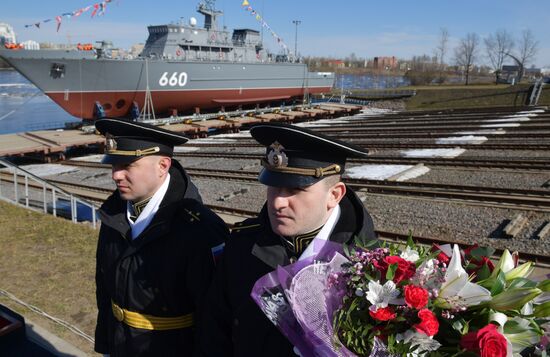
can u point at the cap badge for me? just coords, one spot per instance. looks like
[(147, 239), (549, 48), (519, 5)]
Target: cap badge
[(276, 157), (110, 142)]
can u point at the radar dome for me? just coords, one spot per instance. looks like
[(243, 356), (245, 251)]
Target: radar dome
[(193, 21)]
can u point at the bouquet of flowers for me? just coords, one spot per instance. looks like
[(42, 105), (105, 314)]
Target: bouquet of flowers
[(395, 300)]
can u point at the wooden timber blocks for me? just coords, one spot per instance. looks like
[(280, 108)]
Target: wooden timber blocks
[(515, 226), (544, 232)]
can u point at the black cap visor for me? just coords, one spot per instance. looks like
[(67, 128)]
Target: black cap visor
[(119, 159), (281, 179)]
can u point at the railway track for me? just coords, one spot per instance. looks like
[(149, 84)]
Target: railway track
[(522, 199), (394, 145), (475, 163), (97, 195)]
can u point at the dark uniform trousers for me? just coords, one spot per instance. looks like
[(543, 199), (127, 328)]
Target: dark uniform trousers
[(233, 325), (164, 272)]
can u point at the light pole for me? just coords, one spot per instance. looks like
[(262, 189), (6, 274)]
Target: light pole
[(296, 22)]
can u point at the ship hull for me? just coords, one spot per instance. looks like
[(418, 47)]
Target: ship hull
[(77, 83)]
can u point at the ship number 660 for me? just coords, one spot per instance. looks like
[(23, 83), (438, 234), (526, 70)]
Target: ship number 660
[(176, 79)]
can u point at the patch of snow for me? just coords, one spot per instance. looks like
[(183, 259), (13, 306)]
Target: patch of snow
[(90, 158), (212, 140), (322, 122), (375, 172), (42, 170), (185, 148), (509, 119), (470, 139), (240, 134), (413, 173), (433, 152), (482, 132), (502, 125), (374, 111), (532, 111), (383, 172)]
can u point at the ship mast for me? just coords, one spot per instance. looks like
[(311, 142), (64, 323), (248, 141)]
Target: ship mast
[(207, 8), (148, 111)]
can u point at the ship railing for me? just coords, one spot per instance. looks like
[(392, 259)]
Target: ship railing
[(22, 188)]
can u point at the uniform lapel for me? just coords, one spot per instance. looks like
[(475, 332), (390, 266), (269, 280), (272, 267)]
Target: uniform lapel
[(268, 247)]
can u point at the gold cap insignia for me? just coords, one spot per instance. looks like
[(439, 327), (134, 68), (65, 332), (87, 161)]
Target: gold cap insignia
[(276, 156), (110, 142)]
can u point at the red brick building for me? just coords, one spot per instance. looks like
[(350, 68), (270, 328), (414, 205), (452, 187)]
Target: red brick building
[(385, 62)]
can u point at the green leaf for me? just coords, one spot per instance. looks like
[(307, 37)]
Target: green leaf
[(410, 242), (522, 283), (483, 273), (544, 285), (542, 310), (346, 250), (499, 284), (391, 271), (481, 252)]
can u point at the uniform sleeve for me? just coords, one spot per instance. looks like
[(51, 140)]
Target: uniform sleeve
[(201, 267), (103, 301), (216, 324)]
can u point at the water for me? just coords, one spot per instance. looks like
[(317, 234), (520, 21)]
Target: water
[(23, 107), (369, 81)]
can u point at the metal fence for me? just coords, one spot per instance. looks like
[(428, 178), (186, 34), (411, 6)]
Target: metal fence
[(22, 188)]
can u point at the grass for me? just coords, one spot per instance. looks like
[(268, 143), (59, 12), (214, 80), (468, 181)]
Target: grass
[(49, 262), (472, 96)]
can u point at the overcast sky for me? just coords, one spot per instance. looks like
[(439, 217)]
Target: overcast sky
[(401, 28)]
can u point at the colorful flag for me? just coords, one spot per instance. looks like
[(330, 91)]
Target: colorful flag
[(58, 20), (245, 3), (96, 7)]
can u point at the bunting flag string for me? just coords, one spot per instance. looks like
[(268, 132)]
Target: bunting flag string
[(247, 7), (98, 8)]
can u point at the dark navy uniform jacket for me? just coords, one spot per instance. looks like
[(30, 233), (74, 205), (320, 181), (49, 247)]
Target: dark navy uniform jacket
[(233, 324), (164, 272)]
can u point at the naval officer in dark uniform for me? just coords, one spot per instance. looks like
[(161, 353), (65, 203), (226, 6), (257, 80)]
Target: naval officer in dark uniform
[(157, 246), (306, 200)]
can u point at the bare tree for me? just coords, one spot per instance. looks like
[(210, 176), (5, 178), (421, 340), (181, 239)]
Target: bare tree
[(441, 50), (527, 48), (466, 53), (498, 46)]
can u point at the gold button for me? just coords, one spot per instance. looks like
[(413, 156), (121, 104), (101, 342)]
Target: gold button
[(118, 312), (293, 260)]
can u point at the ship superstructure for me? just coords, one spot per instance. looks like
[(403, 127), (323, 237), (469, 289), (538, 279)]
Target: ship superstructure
[(182, 68)]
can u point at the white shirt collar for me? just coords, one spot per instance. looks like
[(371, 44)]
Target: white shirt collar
[(323, 234), (148, 212)]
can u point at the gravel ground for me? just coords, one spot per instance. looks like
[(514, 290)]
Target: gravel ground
[(437, 219), (465, 223), (487, 178), (230, 194)]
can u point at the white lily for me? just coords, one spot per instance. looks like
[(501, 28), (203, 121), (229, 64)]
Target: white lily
[(505, 264), (382, 295), (422, 342), (410, 255), (522, 336), (456, 290)]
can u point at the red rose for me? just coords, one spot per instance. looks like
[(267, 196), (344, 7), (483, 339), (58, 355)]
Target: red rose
[(405, 269), (383, 314), (428, 323), (443, 258), (487, 342), (468, 250), (476, 265), (416, 296)]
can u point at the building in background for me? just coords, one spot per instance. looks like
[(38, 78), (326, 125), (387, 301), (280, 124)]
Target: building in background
[(385, 62), (7, 35), (31, 45)]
